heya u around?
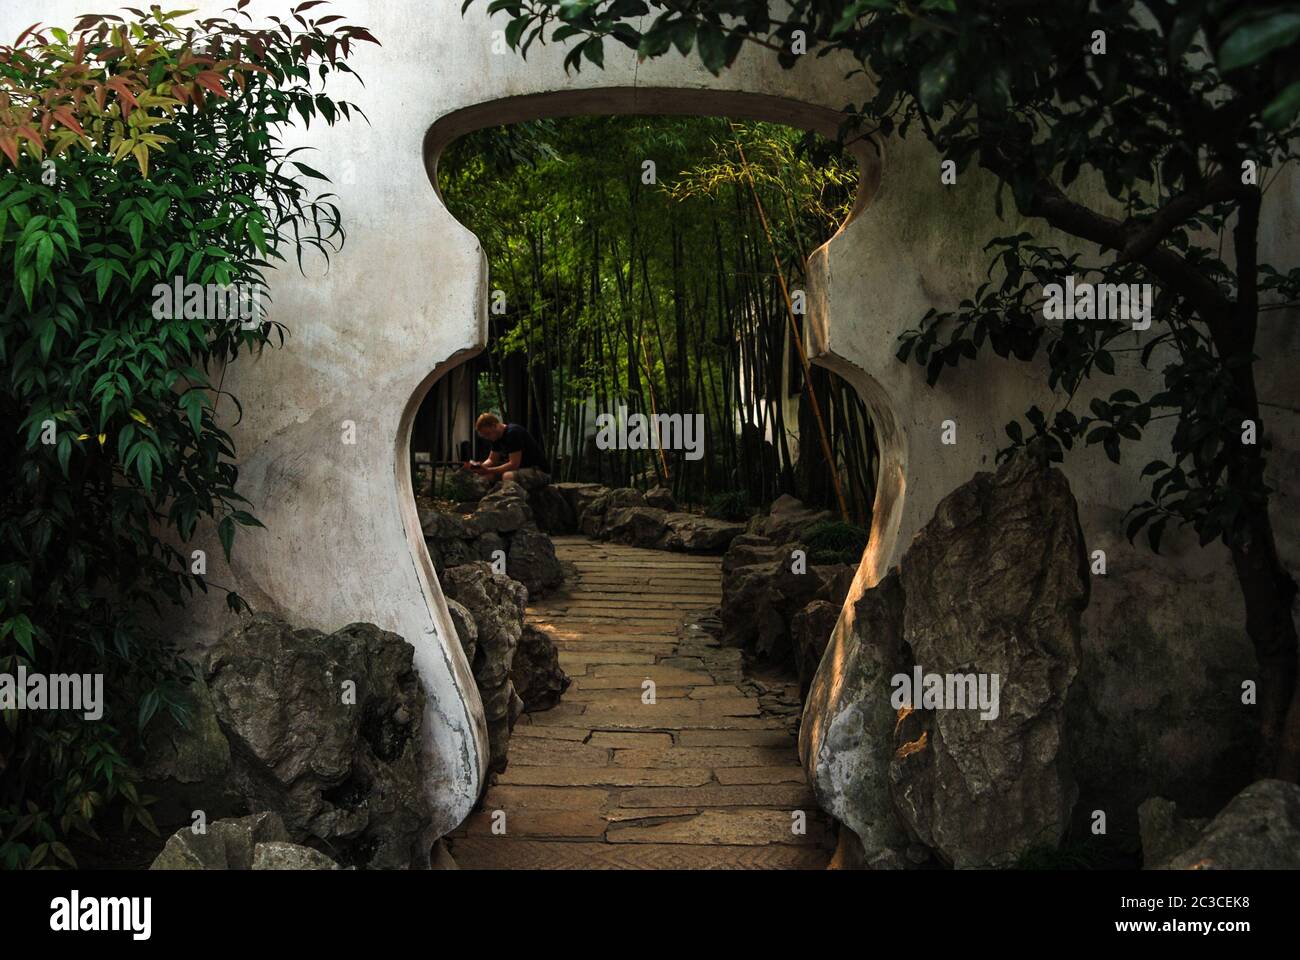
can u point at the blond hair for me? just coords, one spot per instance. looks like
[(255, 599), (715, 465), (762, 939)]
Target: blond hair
[(487, 420)]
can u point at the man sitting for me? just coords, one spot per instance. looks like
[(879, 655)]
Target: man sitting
[(515, 454)]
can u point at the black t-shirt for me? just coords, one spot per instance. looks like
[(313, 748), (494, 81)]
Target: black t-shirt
[(517, 438)]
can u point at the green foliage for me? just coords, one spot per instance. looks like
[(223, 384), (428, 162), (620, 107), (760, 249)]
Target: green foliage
[(661, 296), (1065, 857), (111, 440), (729, 505), (833, 541), (453, 484)]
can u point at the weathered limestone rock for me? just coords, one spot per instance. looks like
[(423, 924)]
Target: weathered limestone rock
[(624, 497), (762, 595), (225, 845), (696, 534), (257, 842), (1156, 709), (1165, 834), (748, 548), (636, 526), (504, 510), (536, 672), (650, 520), (324, 730), (836, 580), (290, 856), (810, 632), (455, 482), (662, 498), (1258, 830), (579, 495), (488, 546), (451, 552), (552, 510), (759, 601), (500, 528), (993, 585), (788, 518), (845, 738), (437, 525), (496, 603), (531, 560), (466, 628), (592, 517)]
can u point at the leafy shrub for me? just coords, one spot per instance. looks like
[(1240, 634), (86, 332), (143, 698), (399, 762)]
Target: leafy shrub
[(834, 541), (456, 485), (131, 154), (732, 505)]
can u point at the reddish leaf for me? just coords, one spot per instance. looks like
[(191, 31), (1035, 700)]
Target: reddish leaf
[(65, 117), (124, 94), (23, 36), (213, 82), (31, 134)]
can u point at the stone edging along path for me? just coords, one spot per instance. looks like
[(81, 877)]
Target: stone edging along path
[(706, 776)]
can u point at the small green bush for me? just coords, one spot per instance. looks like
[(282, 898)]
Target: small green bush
[(732, 505), (834, 541), (456, 485), (136, 158)]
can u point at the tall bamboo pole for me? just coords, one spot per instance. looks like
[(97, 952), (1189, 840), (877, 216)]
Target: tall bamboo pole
[(827, 452)]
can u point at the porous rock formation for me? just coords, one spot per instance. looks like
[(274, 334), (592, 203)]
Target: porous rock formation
[(994, 585), (256, 842), (516, 667), (502, 520), (1259, 829), (495, 604), (775, 605), (626, 515), (324, 730)]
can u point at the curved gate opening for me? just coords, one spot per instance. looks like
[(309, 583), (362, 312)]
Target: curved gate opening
[(651, 322)]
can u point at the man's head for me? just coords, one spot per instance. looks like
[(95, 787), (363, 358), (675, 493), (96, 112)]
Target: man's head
[(489, 427)]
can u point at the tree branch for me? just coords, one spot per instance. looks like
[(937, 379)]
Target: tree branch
[(1224, 185)]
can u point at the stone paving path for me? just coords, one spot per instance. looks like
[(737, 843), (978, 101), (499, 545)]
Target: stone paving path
[(707, 776)]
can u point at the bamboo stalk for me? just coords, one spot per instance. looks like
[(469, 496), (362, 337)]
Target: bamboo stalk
[(803, 357)]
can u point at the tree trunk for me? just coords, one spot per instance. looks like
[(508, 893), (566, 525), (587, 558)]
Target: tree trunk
[(1269, 591), (1266, 586)]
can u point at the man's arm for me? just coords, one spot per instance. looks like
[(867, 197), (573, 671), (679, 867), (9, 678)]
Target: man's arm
[(474, 466), (491, 468)]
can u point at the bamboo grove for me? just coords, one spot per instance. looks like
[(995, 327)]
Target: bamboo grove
[(636, 261)]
